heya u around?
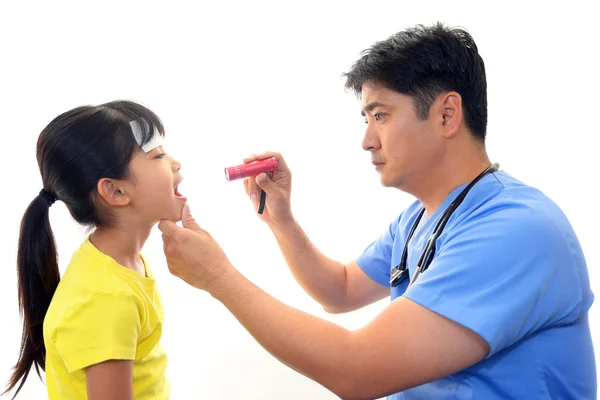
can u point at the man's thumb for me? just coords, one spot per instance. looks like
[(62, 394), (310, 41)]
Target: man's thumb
[(265, 183), (187, 220)]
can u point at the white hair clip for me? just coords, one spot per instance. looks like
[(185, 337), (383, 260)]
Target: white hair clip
[(156, 141)]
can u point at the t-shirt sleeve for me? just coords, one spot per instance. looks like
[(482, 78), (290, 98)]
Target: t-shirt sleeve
[(502, 274), (376, 258), (105, 327)]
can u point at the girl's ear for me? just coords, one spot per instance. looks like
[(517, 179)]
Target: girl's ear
[(113, 192)]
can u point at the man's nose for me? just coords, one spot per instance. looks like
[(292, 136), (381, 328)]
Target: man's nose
[(370, 140)]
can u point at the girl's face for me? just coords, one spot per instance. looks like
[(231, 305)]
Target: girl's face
[(153, 186)]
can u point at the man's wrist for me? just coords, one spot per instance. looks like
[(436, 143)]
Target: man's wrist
[(224, 285), (282, 225)]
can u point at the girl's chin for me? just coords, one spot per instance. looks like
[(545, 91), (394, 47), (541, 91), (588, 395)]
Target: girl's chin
[(175, 216), (177, 219), (178, 213)]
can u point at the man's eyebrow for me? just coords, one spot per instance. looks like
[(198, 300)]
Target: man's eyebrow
[(371, 106)]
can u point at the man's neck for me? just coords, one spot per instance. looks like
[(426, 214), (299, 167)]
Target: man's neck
[(447, 176)]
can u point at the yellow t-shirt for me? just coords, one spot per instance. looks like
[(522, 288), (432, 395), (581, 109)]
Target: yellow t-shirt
[(102, 311)]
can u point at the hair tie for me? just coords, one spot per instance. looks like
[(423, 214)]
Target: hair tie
[(48, 197)]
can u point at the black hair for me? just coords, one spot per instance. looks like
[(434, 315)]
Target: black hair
[(75, 151), (423, 62)]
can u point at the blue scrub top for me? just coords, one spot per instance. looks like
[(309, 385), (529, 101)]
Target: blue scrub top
[(508, 266)]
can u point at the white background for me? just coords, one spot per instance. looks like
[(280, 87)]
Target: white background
[(230, 79)]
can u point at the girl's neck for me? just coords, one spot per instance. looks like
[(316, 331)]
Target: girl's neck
[(122, 245)]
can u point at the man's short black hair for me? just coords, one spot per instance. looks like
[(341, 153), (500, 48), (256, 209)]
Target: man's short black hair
[(423, 62)]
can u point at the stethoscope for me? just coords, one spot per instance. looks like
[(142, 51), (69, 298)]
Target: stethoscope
[(400, 273)]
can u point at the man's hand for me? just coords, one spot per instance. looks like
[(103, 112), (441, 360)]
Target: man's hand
[(278, 188), (192, 254)]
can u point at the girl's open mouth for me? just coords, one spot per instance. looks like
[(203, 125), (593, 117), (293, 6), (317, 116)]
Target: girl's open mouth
[(176, 191)]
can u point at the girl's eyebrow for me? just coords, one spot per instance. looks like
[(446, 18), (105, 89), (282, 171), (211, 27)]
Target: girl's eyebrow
[(151, 152)]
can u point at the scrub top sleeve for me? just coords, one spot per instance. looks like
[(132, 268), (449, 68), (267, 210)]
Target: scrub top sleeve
[(375, 260)]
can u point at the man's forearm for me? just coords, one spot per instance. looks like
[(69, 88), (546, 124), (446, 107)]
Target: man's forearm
[(322, 278), (318, 349)]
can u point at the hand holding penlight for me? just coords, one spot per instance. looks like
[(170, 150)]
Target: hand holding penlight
[(252, 169)]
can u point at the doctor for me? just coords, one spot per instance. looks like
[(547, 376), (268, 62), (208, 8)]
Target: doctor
[(489, 287)]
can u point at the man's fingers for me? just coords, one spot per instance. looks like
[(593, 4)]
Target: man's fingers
[(246, 180), (188, 220), (253, 189), (168, 228), (281, 164), (262, 180), (261, 156), (170, 251)]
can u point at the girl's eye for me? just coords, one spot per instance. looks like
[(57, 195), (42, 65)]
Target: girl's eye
[(161, 155)]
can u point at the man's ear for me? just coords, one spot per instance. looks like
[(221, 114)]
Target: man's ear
[(449, 106), (113, 192)]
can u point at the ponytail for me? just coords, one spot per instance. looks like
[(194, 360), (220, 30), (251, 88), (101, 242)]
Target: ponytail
[(38, 274)]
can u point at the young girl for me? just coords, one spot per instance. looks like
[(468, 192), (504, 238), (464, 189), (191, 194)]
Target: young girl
[(97, 332)]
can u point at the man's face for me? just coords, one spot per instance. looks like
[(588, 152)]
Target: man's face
[(403, 148)]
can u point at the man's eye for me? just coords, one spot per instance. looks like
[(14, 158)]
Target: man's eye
[(377, 116)]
